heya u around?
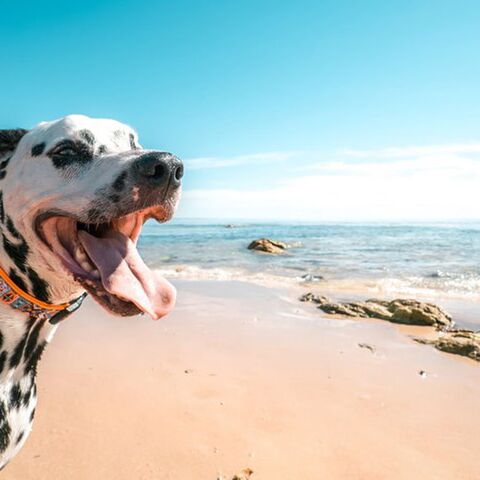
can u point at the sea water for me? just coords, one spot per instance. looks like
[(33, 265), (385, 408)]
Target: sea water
[(408, 259)]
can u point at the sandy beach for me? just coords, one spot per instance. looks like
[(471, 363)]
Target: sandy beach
[(245, 377)]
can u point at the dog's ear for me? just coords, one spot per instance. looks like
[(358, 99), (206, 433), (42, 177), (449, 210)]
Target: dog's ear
[(9, 139)]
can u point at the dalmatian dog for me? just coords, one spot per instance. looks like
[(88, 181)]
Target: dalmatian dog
[(74, 195)]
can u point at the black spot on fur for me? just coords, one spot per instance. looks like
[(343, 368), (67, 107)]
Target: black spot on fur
[(17, 252), (17, 279), (18, 350), (9, 139), (26, 398), (3, 359), (19, 438), (32, 340), (31, 366), (119, 183), (102, 149), (5, 163), (114, 197), (1, 340), (12, 229), (133, 145), (15, 396), (38, 149), (2, 209), (39, 286), (5, 429), (88, 136), (32, 415), (3, 168)]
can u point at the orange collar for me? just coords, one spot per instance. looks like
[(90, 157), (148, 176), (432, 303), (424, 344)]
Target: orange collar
[(13, 296)]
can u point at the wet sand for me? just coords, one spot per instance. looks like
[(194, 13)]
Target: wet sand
[(237, 378)]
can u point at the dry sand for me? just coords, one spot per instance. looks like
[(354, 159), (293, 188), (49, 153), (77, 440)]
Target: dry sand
[(238, 378)]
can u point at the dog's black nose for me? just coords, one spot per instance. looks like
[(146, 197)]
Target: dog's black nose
[(159, 169)]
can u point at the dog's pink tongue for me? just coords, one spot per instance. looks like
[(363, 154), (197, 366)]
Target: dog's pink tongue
[(125, 275)]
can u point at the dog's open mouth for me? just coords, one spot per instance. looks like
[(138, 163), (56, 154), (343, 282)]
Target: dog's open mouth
[(104, 259)]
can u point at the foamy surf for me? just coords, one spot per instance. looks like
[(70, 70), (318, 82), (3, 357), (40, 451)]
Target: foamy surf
[(414, 287)]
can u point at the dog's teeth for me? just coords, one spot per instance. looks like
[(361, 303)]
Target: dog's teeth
[(80, 255), (86, 266)]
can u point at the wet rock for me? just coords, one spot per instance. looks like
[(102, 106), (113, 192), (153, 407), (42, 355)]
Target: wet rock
[(413, 312), (311, 297), (357, 309), (458, 342), (310, 278), (267, 245), (406, 311)]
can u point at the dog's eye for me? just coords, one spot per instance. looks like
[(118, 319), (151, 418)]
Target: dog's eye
[(65, 151)]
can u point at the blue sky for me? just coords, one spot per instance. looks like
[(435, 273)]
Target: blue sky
[(309, 110)]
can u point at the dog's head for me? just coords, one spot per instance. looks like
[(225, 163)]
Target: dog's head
[(74, 194)]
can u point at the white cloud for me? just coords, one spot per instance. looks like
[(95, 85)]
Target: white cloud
[(433, 164), (434, 185), (223, 162), (414, 151)]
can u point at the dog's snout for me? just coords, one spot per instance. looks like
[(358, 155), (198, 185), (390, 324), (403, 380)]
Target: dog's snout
[(159, 169)]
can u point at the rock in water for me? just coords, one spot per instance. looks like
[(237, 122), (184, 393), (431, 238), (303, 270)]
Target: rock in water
[(311, 278), (409, 312), (267, 245)]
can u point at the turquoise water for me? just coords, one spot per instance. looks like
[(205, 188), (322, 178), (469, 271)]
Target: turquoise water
[(412, 257)]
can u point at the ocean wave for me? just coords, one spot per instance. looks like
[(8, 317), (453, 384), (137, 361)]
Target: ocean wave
[(196, 272), (445, 285), (459, 287)]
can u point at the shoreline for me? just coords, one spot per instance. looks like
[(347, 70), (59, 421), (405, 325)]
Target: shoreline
[(246, 377), (465, 309)]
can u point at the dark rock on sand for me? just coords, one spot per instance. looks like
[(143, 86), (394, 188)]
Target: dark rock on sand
[(458, 342), (267, 245), (245, 474), (413, 312), (367, 346), (311, 297), (410, 312)]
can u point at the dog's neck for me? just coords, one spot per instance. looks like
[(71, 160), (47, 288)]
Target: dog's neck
[(22, 340), (26, 326)]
